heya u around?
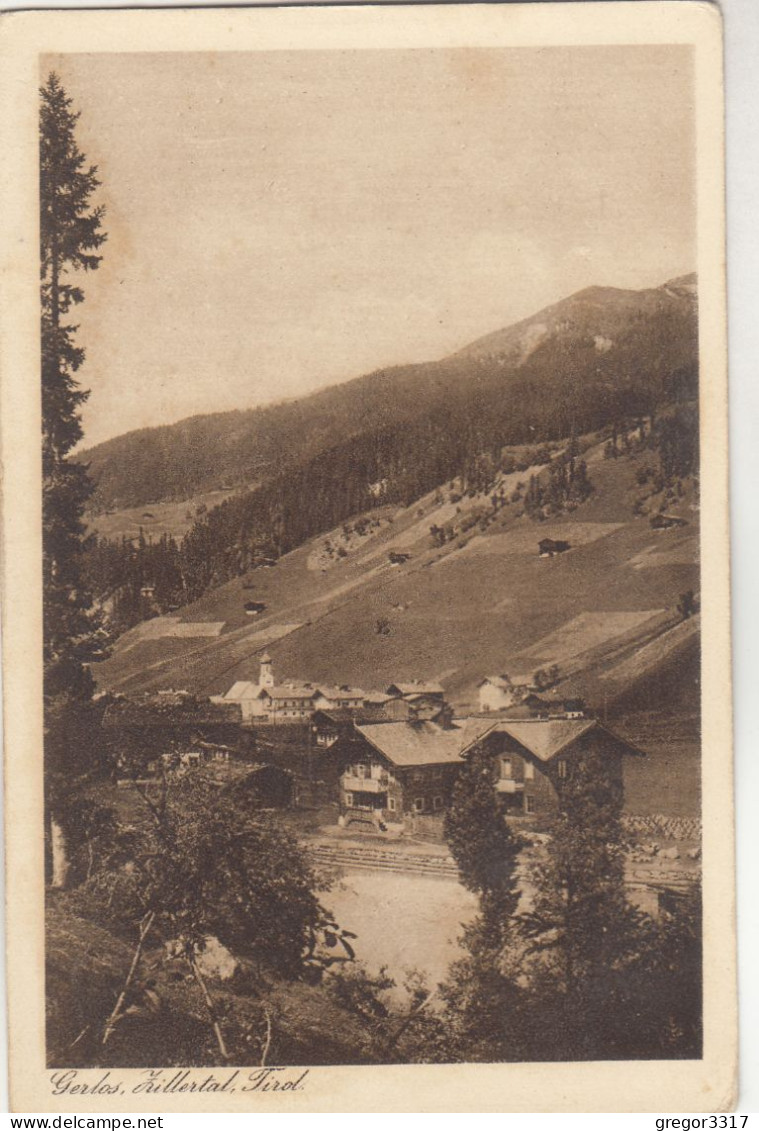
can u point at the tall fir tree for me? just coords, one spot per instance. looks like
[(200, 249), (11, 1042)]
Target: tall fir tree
[(580, 928), (483, 846), (70, 235), (577, 973), (483, 1000)]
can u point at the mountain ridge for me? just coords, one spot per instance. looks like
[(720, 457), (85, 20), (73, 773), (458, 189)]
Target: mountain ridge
[(588, 341)]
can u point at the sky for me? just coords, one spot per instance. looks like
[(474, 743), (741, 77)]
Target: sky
[(282, 221)]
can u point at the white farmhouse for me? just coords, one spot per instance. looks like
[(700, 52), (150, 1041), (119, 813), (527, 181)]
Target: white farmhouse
[(499, 691)]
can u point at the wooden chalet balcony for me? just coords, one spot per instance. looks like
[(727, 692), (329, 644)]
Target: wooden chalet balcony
[(364, 785), (508, 785)]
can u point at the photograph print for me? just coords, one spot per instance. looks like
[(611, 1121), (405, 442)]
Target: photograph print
[(371, 526)]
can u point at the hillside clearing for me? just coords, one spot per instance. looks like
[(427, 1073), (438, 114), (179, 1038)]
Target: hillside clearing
[(524, 538), (496, 606), (173, 626), (155, 519), (588, 631), (652, 653), (658, 555)]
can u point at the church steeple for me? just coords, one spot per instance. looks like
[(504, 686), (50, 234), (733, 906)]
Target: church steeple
[(266, 678)]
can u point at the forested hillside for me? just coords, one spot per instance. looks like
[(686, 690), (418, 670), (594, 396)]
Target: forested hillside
[(597, 356), (602, 361)]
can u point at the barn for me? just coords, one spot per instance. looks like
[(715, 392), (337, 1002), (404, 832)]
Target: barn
[(549, 547), (266, 787)]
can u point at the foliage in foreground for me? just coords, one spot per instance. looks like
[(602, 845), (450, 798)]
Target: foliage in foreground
[(200, 867), (556, 965), (575, 972)]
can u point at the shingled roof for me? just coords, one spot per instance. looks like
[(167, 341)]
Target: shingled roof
[(416, 687), (286, 692), (350, 715), (338, 693), (423, 744), (373, 698), (241, 690), (545, 738)]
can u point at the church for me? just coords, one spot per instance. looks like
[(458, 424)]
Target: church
[(266, 701), (293, 702)]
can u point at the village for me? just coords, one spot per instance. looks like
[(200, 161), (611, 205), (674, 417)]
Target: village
[(369, 775)]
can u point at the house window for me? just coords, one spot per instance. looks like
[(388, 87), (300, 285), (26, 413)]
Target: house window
[(529, 771), (360, 770), (529, 803), (418, 804), (507, 770), (349, 800), (437, 803), (391, 804), (562, 768)]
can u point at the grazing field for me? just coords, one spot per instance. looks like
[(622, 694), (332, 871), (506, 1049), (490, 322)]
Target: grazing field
[(677, 553), (496, 606), (647, 656), (588, 631), (524, 538), (174, 626), (154, 519)]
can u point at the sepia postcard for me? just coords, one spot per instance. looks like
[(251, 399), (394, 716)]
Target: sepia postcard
[(366, 663)]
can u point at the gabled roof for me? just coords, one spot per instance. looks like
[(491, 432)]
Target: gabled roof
[(545, 738), (243, 689), (335, 715), (349, 715), (333, 693), (501, 681), (285, 692), (416, 687), (376, 697), (423, 744)]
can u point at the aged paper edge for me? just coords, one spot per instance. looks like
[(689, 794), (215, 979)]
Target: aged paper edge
[(704, 1085)]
